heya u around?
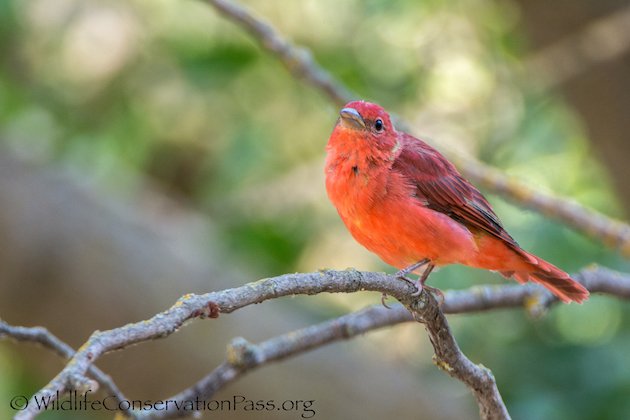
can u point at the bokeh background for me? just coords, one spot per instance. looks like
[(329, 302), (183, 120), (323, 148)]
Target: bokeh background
[(150, 148)]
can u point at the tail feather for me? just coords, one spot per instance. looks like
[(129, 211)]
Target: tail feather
[(565, 288), (554, 279)]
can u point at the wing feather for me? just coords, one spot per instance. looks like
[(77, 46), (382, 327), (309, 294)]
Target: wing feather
[(440, 186)]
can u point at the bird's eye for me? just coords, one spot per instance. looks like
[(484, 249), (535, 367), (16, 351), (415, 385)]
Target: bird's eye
[(378, 125)]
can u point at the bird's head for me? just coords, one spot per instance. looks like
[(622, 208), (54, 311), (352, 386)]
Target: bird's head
[(366, 126), (365, 118)]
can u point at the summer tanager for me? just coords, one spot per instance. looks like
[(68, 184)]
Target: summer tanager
[(404, 201)]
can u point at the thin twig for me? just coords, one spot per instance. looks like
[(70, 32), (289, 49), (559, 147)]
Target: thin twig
[(613, 233), (297, 60), (49, 340)]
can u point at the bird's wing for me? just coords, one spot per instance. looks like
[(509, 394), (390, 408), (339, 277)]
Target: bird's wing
[(440, 187)]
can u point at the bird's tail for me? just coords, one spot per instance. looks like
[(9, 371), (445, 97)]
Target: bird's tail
[(550, 276)]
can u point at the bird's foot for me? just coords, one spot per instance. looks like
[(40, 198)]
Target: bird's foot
[(419, 284), (415, 283), (439, 295), (419, 288), (402, 274)]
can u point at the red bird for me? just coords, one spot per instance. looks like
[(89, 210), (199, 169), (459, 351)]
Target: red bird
[(403, 200)]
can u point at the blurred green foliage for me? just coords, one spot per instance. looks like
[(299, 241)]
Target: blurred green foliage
[(118, 91)]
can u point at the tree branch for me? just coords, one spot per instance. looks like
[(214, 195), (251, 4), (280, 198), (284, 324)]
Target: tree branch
[(298, 60), (49, 340), (72, 377), (612, 233), (480, 298), (243, 356), (424, 309), (450, 359)]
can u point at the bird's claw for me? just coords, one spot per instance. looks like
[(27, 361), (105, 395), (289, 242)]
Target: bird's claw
[(419, 284), (383, 298), (402, 274), (419, 288)]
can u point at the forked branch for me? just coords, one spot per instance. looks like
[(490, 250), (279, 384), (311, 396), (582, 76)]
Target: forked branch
[(245, 356)]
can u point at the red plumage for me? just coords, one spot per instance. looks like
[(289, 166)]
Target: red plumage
[(404, 201)]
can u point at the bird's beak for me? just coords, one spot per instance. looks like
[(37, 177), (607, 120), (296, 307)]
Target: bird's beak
[(350, 118)]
